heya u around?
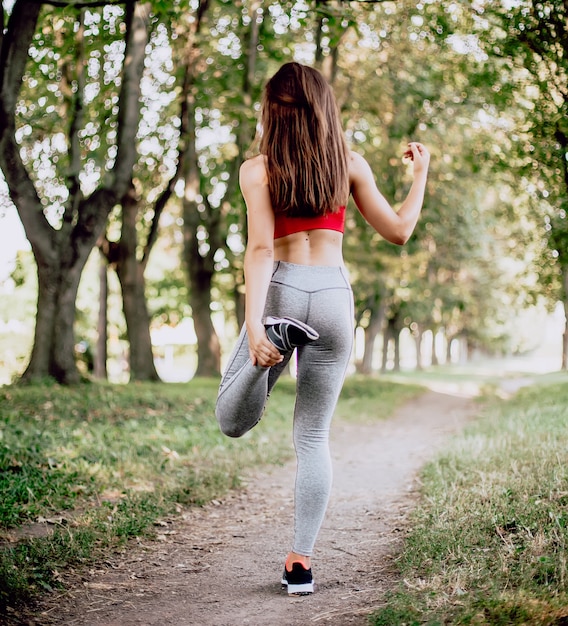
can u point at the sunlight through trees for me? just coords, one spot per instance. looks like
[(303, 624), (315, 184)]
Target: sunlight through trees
[(123, 126)]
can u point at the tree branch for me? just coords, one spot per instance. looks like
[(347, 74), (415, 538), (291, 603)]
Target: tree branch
[(166, 194), (13, 57), (14, 54), (129, 99), (159, 207), (77, 4), (77, 119)]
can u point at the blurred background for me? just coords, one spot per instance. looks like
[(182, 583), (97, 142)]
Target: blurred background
[(122, 228)]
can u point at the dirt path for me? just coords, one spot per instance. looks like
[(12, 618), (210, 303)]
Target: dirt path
[(221, 565)]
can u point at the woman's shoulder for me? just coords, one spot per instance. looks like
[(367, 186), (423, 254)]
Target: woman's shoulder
[(253, 170), (356, 160), (358, 165)]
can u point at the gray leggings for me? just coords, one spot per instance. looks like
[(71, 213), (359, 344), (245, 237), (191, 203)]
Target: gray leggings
[(321, 297)]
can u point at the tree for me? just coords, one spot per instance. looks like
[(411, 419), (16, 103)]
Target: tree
[(525, 48), (122, 255), (61, 251), (451, 277), (225, 64), (151, 189), (382, 89), (537, 38)]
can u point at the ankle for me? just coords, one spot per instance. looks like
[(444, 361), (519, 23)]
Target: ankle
[(294, 557)]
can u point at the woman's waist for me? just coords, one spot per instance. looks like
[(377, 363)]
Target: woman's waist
[(313, 247), (310, 278)]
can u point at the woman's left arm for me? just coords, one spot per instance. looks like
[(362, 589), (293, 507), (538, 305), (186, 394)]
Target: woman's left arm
[(259, 259), (394, 226)]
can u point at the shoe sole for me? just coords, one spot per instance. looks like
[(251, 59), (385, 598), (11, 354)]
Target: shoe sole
[(311, 334), (283, 342), (305, 589)]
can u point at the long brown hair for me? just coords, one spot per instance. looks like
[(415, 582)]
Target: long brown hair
[(304, 143)]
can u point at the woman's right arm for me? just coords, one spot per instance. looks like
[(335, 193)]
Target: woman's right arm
[(394, 226), (259, 259)]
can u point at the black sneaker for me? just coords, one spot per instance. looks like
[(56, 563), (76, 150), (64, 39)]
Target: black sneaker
[(287, 333), (299, 581)]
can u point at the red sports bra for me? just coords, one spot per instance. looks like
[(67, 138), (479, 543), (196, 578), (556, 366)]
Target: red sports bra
[(285, 225)]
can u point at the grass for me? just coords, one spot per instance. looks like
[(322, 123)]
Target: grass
[(104, 463), (489, 542), (366, 399)]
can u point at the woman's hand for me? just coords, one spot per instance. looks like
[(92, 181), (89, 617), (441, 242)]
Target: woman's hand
[(419, 155), (261, 351)]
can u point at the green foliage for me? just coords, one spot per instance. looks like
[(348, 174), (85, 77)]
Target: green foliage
[(456, 272), (30, 483), (532, 37), (101, 439), (488, 543), (481, 85), (368, 399)]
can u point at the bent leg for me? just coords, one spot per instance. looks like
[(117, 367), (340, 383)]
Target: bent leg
[(244, 390)]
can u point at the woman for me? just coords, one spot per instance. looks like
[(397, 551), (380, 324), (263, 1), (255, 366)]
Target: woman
[(297, 289)]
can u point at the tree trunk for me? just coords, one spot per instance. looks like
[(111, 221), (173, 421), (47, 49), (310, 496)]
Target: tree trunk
[(390, 333), (208, 346), (385, 354), (565, 303), (130, 272), (449, 340), (141, 357), (371, 333), (53, 352), (200, 272), (101, 352), (418, 335), (434, 353), (396, 339)]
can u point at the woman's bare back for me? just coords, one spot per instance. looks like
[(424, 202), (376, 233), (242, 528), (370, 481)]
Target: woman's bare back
[(310, 247)]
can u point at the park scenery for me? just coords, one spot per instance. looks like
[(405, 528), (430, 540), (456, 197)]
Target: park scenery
[(123, 126)]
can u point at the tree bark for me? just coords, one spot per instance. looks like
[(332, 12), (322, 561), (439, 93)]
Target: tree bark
[(131, 276), (435, 360), (565, 304), (372, 331), (101, 351), (418, 334)]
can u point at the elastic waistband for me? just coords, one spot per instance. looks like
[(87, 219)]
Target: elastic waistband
[(311, 277)]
